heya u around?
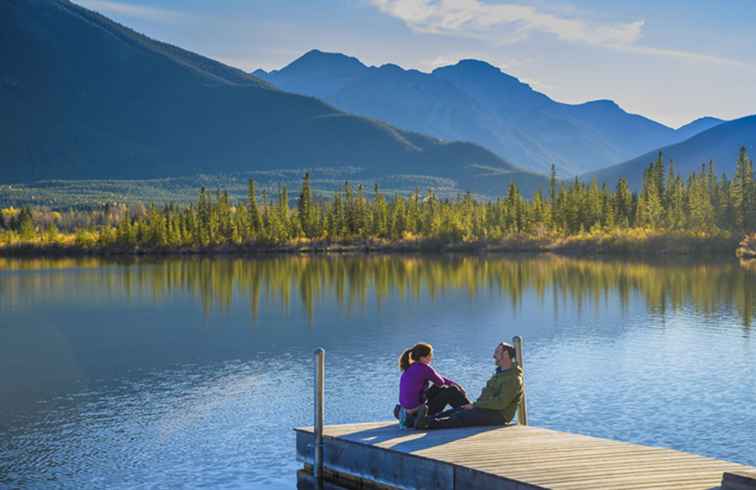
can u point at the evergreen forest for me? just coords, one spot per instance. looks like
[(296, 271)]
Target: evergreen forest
[(704, 207)]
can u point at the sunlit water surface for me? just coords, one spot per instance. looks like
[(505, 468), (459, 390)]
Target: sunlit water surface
[(193, 372)]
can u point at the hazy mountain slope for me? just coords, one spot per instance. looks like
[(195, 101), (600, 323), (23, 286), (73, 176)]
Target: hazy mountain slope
[(720, 144), (475, 101), (698, 126), (86, 98)]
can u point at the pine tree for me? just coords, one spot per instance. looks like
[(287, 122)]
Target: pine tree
[(360, 215), (650, 207), (25, 225), (516, 209), (595, 205), (255, 220), (552, 186), (741, 192), (397, 220), (701, 212), (306, 209), (380, 214), (282, 212), (658, 178)]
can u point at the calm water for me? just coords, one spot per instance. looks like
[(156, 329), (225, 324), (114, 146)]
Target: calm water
[(192, 372)]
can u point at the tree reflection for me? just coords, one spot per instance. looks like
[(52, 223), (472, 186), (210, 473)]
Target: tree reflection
[(708, 287)]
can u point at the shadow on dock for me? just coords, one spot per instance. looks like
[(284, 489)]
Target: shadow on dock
[(516, 457), (391, 437)]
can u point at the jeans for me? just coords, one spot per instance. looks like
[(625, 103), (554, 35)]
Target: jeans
[(437, 398), (466, 418)]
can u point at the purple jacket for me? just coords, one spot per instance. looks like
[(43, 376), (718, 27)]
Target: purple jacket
[(414, 381)]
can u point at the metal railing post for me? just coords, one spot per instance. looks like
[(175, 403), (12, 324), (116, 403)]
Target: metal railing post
[(522, 409), (319, 415)]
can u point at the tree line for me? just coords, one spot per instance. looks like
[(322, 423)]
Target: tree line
[(667, 201)]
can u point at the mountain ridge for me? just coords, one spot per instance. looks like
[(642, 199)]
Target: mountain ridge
[(487, 106)]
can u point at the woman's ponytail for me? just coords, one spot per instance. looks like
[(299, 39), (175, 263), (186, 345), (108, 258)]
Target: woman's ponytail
[(413, 354), (404, 360)]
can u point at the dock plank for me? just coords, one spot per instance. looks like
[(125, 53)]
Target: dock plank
[(512, 457)]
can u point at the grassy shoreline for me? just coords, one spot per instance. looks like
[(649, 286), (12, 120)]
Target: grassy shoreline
[(620, 242)]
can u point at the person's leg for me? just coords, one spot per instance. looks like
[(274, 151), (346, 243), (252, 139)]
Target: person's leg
[(463, 418), (423, 419), (446, 413), (457, 397), (437, 398)]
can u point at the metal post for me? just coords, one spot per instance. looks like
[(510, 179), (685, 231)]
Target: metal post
[(319, 365), (522, 410)]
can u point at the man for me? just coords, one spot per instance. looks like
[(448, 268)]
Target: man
[(496, 404)]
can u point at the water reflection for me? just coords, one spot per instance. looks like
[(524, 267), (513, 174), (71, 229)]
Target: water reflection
[(708, 287), (114, 378)]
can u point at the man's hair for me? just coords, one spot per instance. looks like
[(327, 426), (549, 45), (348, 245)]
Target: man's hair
[(509, 348)]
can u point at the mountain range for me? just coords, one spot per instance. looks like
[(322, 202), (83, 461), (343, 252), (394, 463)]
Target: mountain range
[(475, 101), (84, 97)]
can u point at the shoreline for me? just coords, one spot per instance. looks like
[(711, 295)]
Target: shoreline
[(660, 244)]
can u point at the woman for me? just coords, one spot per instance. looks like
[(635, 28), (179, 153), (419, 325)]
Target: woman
[(416, 398)]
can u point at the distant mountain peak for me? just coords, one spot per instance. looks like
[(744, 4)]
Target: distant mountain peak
[(471, 65), (602, 105), (325, 73), (477, 63), (483, 71), (320, 58), (603, 102), (697, 126), (705, 120), (392, 67)]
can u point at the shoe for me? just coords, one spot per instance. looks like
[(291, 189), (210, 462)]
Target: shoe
[(405, 420), (397, 407), (421, 417)]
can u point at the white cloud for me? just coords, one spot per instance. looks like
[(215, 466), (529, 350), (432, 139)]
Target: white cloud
[(132, 10), (686, 55), (504, 22)]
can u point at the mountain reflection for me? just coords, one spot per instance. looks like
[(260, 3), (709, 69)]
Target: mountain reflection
[(708, 287)]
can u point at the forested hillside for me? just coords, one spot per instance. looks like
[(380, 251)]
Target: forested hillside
[(86, 98)]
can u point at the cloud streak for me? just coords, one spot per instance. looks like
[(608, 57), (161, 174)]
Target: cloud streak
[(132, 10), (504, 23), (685, 55)]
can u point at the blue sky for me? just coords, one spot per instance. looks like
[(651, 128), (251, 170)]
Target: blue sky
[(673, 61)]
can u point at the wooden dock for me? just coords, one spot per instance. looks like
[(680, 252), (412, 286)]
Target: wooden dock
[(380, 455)]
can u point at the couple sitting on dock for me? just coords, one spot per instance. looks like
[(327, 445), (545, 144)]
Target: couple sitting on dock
[(424, 393)]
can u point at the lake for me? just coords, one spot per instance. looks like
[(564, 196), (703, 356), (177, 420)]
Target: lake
[(156, 373)]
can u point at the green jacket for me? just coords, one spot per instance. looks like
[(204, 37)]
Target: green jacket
[(502, 392)]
